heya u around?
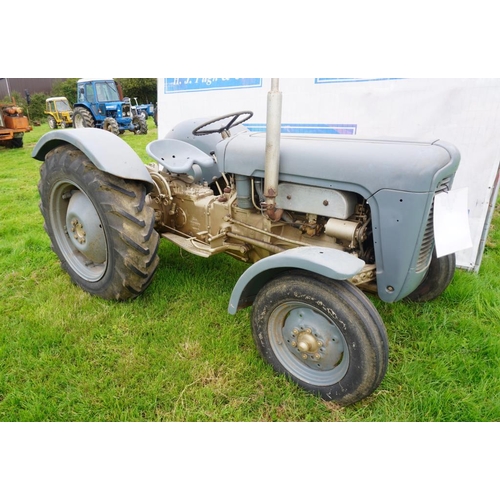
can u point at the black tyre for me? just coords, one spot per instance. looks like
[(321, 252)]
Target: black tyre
[(323, 334), (437, 279), (99, 225), (16, 142), (111, 125), (52, 122), (82, 118), (140, 125)]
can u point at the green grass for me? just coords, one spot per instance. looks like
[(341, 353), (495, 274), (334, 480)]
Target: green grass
[(175, 354)]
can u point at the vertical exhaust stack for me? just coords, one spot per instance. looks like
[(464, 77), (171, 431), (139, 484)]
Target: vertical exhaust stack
[(272, 160)]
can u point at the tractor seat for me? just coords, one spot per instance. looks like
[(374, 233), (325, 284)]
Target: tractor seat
[(180, 157)]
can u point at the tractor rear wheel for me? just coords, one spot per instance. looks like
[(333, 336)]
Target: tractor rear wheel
[(324, 334), (82, 118), (99, 225), (52, 122), (140, 125)]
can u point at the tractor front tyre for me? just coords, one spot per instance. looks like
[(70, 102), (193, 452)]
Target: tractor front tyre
[(99, 225), (323, 334), (111, 125), (82, 118)]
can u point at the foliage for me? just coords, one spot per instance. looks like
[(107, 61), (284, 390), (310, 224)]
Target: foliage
[(65, 88), (145, 89), (36, 108)]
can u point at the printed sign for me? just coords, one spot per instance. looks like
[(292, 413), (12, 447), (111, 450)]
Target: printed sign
[(175, 85), (308, 128)]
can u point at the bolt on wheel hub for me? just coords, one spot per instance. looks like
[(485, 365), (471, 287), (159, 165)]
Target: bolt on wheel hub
[(77, 229)]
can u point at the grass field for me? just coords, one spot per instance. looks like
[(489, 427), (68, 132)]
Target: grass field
[(175, 354)]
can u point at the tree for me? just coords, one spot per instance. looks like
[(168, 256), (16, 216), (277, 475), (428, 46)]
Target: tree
[(65, 88), (145, 89)]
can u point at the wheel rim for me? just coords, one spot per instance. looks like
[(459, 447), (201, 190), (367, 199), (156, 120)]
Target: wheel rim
[(78, 121), (308, 344), (78, 231)]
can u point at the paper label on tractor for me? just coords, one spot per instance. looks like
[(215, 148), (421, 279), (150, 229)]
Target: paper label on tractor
[(451, 222)]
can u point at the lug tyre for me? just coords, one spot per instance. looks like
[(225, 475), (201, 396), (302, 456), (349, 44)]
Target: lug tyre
[(323, 334), (16, 142), (52, 122), (437, 279), (82, 118), (111, 125), (140, 125), (99, 225)]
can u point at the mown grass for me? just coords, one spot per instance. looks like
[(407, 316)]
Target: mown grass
[(175, 354)]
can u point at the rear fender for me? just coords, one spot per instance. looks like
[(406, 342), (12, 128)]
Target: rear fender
[(105, 150), (329, 262)]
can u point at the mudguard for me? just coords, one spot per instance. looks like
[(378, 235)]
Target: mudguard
[(105, 150), (328, 262)]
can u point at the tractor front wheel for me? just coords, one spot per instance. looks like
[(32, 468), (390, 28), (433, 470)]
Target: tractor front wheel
[(323, 334), (99, 225), (111, 125)]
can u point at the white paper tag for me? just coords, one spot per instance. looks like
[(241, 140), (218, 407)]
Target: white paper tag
[(451, 222)]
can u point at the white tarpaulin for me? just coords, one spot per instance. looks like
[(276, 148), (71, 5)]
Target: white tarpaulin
[(464, 111)]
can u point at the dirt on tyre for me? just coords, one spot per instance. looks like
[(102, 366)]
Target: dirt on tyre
[(111, 125), (99, 225), (82, 118), (140, 125), (323, 334)]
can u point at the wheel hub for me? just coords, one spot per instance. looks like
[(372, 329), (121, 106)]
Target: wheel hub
[(307, 343), (77, 229), (314, 340), (85, 228)]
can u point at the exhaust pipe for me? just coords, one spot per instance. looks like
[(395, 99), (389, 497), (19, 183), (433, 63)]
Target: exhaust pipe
[(272, 159)]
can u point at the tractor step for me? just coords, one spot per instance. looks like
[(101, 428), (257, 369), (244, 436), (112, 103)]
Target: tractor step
[(189, 244)]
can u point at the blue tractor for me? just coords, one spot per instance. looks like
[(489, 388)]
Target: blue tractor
[(100, 104)]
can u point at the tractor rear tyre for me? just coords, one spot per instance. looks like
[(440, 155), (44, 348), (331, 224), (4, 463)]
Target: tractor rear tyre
[(323, 334), (99, 225), (111, 125), (52, 122), (82, 118), (140, 125)]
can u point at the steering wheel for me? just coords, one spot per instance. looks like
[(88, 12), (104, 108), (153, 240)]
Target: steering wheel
[(233, 119)]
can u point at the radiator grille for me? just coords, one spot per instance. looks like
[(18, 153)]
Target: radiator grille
[(427, 246)]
